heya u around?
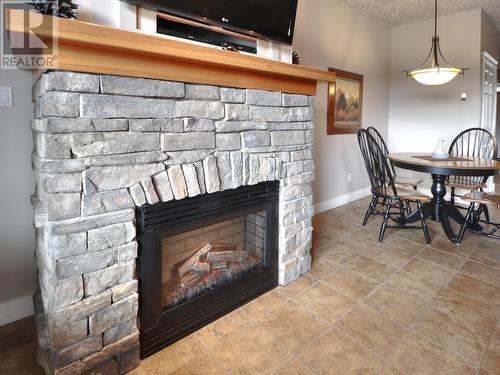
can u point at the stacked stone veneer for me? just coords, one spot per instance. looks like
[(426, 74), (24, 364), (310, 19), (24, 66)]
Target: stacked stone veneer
[(104, 145)]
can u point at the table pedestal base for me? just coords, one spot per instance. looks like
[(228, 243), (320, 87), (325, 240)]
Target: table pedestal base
[(439, 210)]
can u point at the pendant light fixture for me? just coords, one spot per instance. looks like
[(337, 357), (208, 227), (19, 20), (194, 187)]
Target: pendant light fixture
[(435, 70)]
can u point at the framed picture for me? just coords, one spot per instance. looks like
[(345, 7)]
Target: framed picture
[(345, 100)]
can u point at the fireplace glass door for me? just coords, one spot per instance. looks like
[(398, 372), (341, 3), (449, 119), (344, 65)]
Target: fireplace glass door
[(202, 257)]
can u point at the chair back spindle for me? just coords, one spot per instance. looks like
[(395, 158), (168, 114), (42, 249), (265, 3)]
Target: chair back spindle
[(475, 143), (381, 143)]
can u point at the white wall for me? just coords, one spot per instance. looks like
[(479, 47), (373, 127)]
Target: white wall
[(328, 33), (419, 114), (490, 36), (17, 265)]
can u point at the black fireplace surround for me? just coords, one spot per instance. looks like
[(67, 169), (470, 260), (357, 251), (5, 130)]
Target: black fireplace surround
[(162, 325)]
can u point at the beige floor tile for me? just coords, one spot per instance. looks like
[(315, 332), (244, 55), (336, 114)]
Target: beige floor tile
[(136, 371), (476, 289), (294, 367), (322, 267), (417, 235), (414, 285), (335, 354), (323, 222), (264, 304), (467, 310), (482, 371), (203, 364), (389, 370), (251, 350), (404, 245), (487, 252), (400, 307), (372, 329), (21, 360), (438, 275), (294, 326), (454, 335), (389, 256), (351, 283), (340, 255), (356, 243), (442, 258), (349, 223), (175, 357), (371, 268), (324, 240), (17, 334), (420, 356), (222, 328), (372, 230), (442, 243), (482, 272), (325, 302), (492, 358), (298, 286)]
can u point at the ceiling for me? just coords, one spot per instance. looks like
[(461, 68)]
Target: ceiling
[(397, 12)]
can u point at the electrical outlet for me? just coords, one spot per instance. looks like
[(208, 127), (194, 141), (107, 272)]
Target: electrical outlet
[(349, 177), (5, 96)]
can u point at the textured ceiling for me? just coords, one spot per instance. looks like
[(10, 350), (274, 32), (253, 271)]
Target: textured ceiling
[(397, 12)]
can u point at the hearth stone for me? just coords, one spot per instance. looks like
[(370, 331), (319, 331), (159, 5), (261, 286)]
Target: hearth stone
[(104, 145)]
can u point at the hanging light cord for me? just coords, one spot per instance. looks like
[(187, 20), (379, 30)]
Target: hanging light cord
[(435, 62)]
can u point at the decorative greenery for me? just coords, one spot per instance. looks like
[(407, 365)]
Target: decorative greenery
[(63, 8)]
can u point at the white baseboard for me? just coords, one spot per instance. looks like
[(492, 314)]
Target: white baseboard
[(16, 309), (339, 201)]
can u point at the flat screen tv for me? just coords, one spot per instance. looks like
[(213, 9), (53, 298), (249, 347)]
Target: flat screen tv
[(265, 19)]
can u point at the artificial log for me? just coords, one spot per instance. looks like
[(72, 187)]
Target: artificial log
[(194, 263), (226, 256), (218, 265), (190, 279)]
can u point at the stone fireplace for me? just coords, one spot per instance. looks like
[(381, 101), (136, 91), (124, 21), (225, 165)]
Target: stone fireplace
[(107, 148)]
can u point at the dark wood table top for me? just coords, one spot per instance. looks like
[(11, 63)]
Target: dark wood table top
[(458, 166)]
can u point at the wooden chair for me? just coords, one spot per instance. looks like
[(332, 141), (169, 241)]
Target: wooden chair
[(383, 186), (477, 143), (479, 198), (399, 181)]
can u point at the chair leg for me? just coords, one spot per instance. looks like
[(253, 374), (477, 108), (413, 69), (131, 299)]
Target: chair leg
[(384, 223), (424, 224), (370, 209), (467, 220), (486, 213), (452, 198), (408, 208), (477, 213), (402, 212)]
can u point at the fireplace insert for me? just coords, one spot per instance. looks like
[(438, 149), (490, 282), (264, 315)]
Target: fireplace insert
[(202, 257)]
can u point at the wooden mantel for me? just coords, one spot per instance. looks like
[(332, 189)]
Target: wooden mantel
[(86, 47)]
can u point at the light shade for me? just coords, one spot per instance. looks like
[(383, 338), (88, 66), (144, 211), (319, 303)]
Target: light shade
[(435, 76), (435, 70)]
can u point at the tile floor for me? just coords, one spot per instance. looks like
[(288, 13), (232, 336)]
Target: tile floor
[(365, 308)]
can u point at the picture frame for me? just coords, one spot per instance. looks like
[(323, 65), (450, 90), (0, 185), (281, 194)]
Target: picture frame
[(345, 103)]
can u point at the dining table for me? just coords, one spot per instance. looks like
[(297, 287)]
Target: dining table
[(438, 208)]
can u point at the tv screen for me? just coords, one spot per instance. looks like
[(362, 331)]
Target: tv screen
[(266, 19)]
